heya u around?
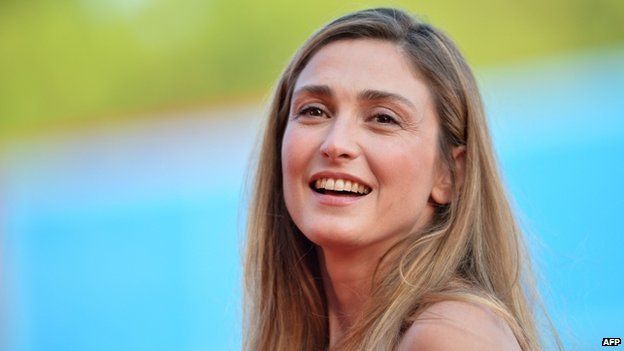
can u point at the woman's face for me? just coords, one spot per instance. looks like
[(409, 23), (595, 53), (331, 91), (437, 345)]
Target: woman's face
[(360, 114)]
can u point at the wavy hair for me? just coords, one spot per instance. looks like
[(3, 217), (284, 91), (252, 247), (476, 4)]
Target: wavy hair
[(471, 251)]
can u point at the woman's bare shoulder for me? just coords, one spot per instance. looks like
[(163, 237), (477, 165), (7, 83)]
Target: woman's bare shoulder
[(456, 325)]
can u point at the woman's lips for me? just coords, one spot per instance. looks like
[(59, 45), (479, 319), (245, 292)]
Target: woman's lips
[(335, 200), (340, 178)]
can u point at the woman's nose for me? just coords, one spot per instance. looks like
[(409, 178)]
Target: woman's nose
[(340, 141)]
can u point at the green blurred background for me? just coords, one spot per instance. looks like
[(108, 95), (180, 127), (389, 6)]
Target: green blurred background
[(68, 63)]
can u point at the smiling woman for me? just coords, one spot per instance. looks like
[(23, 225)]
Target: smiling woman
[(343, 131), (378, 220)]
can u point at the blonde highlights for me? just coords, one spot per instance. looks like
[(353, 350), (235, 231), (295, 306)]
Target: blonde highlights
[(471, 251)]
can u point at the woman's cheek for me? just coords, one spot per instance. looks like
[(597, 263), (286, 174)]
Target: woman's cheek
[(295, 157), (290, 150)]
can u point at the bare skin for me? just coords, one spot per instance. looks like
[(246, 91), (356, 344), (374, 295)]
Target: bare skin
[(458, 326)]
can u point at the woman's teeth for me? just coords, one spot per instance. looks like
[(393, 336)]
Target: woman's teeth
[(341, 185)]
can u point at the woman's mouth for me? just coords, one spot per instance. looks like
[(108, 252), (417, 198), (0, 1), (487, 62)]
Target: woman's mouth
[(339, 187)]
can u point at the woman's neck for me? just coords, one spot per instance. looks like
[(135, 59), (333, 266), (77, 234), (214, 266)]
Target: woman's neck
[(347, 279)]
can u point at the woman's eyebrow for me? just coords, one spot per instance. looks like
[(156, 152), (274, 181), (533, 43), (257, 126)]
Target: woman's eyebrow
[(367, 95), (384, 95), (321, 90)]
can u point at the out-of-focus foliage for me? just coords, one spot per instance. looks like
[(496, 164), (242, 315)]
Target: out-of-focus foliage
[(75, 61)]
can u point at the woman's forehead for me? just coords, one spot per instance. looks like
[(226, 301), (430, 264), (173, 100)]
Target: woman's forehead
[(351, 67)]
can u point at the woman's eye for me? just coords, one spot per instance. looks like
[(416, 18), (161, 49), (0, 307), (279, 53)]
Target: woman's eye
[(312, 111), (385, 119)]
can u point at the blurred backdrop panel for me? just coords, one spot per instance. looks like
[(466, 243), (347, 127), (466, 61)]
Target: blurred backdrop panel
[(127, 129)]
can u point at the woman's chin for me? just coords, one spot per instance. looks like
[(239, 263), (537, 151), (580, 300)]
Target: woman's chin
[(335, 238)]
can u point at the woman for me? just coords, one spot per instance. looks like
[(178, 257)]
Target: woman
[(378, 220)]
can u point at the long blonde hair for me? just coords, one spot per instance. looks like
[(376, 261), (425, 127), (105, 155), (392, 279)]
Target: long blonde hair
[(471, 251)]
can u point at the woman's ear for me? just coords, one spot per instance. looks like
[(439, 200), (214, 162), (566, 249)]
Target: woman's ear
[(442, 192)]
